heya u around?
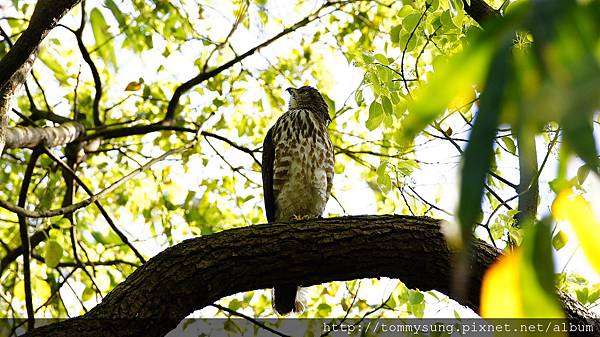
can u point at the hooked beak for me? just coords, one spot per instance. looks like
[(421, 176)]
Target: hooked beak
[(291, 91)]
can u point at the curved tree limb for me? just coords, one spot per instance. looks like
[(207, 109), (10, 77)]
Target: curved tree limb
[(199, 271), (44, 18)]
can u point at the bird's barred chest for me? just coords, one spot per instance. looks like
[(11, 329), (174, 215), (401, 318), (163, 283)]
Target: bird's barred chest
[(303, 165)]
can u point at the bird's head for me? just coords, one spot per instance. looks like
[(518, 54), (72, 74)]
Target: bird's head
[(308, 98)]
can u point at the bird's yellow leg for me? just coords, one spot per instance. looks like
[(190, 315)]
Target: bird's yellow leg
[(297, 217)]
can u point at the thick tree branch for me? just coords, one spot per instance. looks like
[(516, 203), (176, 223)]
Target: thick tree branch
[(6, 95), (198, 272), (31, 137), (134, 130), (44, 18), (16, 64), (480, 11)]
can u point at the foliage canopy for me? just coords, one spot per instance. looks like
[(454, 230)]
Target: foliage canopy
[(176, 97)]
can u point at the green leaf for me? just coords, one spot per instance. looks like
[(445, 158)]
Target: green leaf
[(330, 105), (116, 12), (382, 59), (375, 116), (462, 70), (582, 173), (395, 33), (235, 304), (324, 309), (415, 296), (560, 240), (579, 134), (582, 295), (407, 42), (133, 86), (358, 97), (53, 252), (383, 179), (497, 230), (232, 327), (368, 58), (53, 65), (102, 36), (457, 5), (446, 20), (479, 151), (387, 105), (510, 144), (537, 273), (391, 302), (417, 309), (433, 5), (410, 22)]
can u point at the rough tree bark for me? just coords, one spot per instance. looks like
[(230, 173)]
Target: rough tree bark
[(198, 272), (480, 11)]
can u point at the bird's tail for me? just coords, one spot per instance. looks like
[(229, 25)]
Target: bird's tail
[(288, 298)]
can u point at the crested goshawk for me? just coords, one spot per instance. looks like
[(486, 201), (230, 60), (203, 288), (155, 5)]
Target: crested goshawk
[(297, 172)]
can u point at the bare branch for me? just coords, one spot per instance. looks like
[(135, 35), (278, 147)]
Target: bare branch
[(31, 137), (103, 211), (186, 86)]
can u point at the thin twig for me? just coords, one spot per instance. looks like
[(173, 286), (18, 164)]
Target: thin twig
[(63, 210), (103, 211), (249, 319), (25, 238)]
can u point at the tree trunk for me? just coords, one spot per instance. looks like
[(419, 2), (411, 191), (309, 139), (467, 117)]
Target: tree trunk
[(199, 271)]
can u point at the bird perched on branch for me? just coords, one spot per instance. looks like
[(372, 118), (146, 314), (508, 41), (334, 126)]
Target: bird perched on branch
[(297, 172)]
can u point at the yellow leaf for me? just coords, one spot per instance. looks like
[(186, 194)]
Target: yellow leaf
[(88, 294), (577, 211), (501, 291), (19, 290), (42, 289), (53, 253), (463, 100), (133, 86)]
